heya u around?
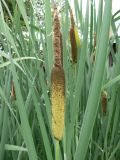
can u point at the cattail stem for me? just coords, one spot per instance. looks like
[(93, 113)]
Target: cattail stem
[(57, 150), (75, 71)]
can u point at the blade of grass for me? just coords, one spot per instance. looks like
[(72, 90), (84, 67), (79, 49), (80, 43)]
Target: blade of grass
[(26, 130), (4, 135), (42, 128), (15, 148), (48, 25)]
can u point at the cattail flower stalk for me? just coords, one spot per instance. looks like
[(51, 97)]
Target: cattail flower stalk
[(73, 39), (57, 83)]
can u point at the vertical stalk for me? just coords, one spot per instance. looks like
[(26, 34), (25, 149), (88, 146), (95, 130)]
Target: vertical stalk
[(57, 150)]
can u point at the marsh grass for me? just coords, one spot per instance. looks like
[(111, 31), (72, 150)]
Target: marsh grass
[(26, 61)]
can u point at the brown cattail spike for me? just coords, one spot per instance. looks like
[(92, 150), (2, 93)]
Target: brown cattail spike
[(58, 101), (73, 45), (57, 39), (57, 82), (104, 96), (61, 46), (73, 39)]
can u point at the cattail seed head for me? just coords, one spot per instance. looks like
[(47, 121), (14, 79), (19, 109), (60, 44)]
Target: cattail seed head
[(61, 46), (73, 38), (104, 96), (73, 45), (58, 101), (57, 82), (57, 40)]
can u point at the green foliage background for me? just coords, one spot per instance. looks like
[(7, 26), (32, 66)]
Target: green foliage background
[(26, 60)]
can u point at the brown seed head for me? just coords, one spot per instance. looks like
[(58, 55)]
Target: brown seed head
[(73, 39), (61, 48), (57, 40), (104, 96), (73, 45)]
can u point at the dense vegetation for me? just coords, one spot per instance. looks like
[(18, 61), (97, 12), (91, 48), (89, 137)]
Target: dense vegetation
[(85, 81)]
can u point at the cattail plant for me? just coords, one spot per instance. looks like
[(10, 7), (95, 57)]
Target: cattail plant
[(104, 96), (57, 82), (74, 38)]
